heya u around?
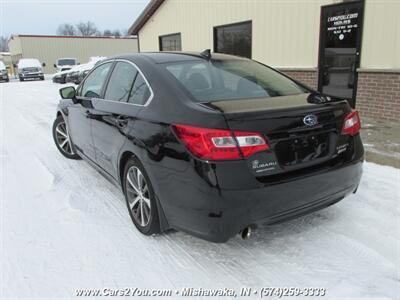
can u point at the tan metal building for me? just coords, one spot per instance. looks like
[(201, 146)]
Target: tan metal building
[(47, 49), (5, 57), (348, 49)]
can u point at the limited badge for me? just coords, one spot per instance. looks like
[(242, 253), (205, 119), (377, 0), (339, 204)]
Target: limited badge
[(342, 148)]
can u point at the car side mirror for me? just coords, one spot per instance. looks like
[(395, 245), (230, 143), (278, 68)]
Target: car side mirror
[(43, 64), (55, 66), (68, 92)]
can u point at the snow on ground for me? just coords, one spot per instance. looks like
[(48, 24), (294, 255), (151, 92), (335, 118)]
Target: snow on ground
[(63, 227)]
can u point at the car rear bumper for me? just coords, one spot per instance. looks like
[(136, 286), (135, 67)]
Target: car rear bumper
[(31, 76), (216, 214)]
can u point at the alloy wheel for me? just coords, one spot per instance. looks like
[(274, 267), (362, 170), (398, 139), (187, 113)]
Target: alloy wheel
[(138, 196), (63, 140)]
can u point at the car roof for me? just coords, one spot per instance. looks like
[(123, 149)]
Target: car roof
[(166, 57)]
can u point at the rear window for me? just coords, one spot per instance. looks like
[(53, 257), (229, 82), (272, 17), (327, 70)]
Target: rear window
[(231, 79), (66, 62)]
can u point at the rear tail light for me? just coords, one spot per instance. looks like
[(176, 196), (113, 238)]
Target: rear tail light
[(352, 123), (218, 144)]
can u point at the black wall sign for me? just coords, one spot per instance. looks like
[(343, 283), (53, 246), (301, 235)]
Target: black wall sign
[(342, 28)]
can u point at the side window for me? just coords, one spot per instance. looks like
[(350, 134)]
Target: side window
[(121, 81), (93, 84), (140, 91)]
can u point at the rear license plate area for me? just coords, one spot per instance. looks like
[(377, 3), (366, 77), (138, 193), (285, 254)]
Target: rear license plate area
[(302, 149)]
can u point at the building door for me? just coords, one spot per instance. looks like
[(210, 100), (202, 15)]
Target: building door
[(340, 46)]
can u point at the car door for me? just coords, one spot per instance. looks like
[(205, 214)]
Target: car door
[(79, 124), (115, 115)]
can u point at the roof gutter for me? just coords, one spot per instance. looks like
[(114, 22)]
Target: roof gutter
[(147, 13)]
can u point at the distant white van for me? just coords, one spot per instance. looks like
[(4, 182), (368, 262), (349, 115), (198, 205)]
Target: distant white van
[(64, 64), (30, 68), (3, 72)]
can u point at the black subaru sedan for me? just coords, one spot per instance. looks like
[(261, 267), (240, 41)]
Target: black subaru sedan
[(210, 144)]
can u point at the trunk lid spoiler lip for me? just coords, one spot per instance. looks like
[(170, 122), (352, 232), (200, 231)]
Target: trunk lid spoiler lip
[(299, 102)]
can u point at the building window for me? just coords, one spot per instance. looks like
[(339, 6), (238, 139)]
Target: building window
[(170, 42), (233, 39)]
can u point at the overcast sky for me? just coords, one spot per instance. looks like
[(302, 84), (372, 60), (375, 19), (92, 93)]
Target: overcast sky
[(44, 16)]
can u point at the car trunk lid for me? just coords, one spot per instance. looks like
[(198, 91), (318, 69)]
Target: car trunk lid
[(286, 123)]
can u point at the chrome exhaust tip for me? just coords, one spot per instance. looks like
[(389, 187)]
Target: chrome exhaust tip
[(245, 233)]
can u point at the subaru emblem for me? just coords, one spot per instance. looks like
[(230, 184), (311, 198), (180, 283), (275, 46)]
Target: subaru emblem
[(310, 120)]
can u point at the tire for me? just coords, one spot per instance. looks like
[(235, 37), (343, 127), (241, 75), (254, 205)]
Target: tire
[(140, 210), (41, 78), (8, 80), (21, 79), (62, 139)]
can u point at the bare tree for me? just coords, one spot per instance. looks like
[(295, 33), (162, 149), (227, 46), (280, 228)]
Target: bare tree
[(3, 44), (107, 32), (87, 29), (66, 29), (116, 33)]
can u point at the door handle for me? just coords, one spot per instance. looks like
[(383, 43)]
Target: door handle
[(121, 121), (89, 115)]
